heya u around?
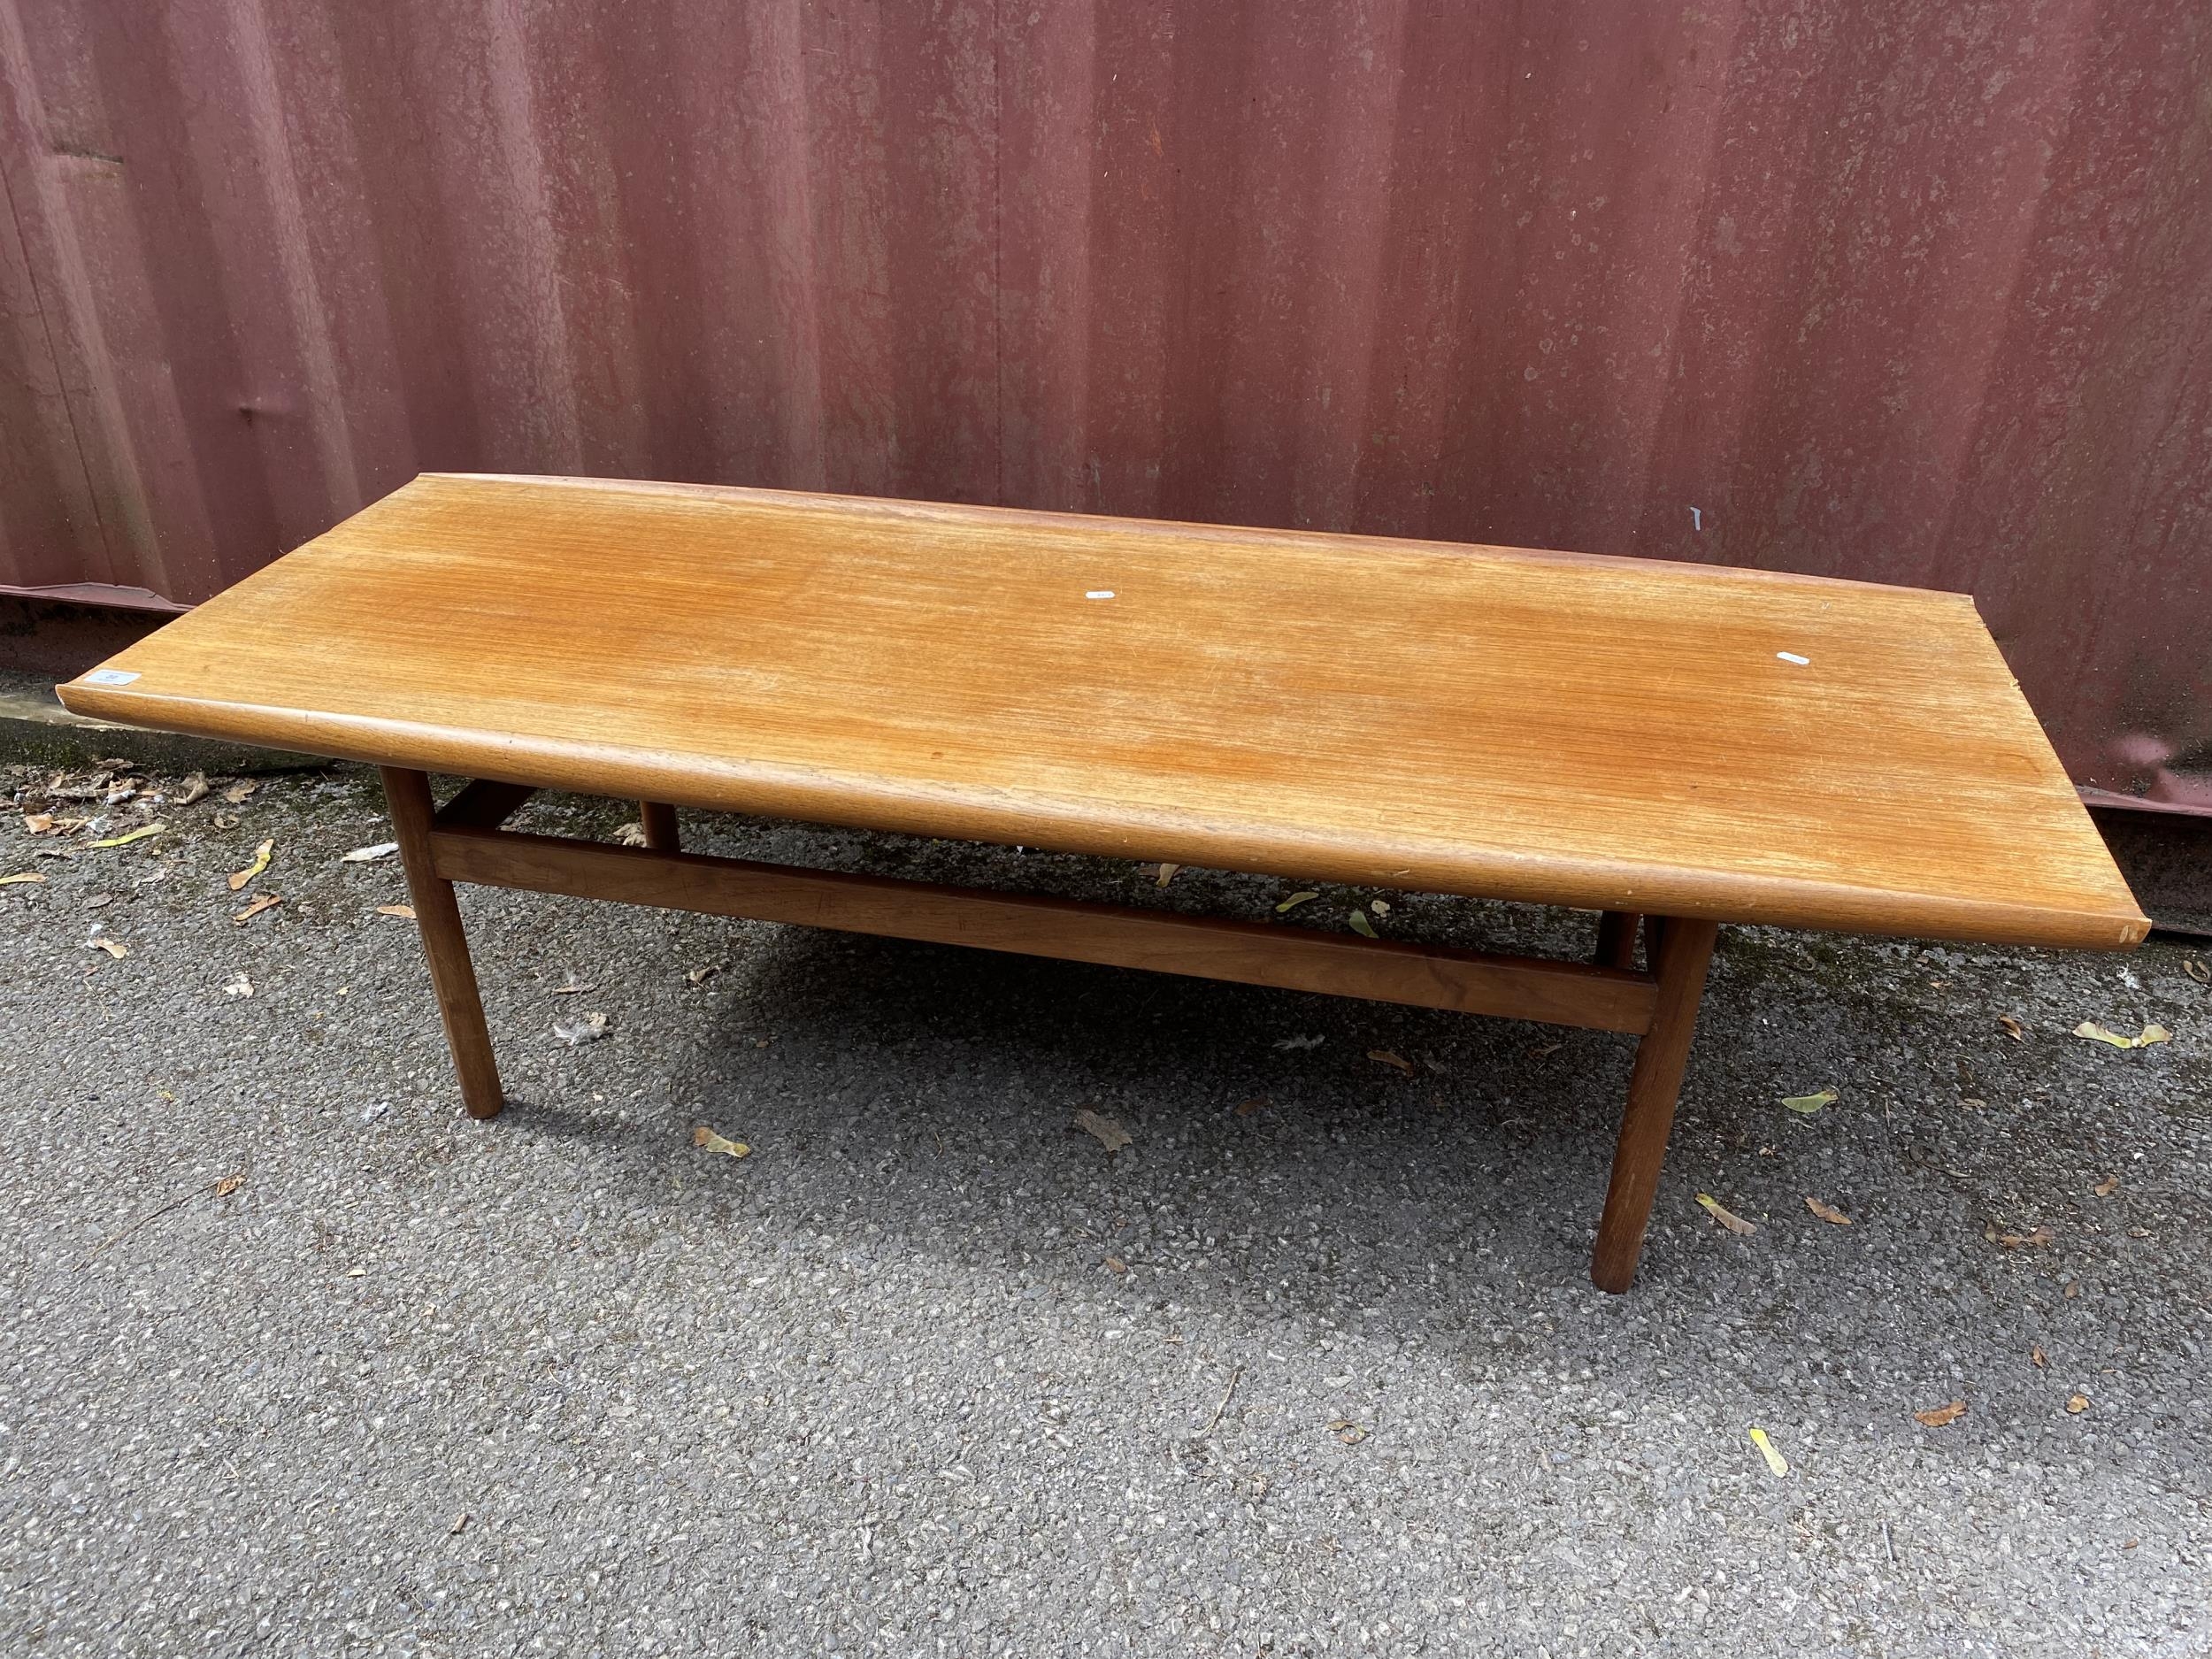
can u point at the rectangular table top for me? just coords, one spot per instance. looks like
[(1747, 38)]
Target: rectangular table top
[(1556, 727)]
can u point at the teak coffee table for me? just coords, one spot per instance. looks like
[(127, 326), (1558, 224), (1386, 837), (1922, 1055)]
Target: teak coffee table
[(1677, 743)]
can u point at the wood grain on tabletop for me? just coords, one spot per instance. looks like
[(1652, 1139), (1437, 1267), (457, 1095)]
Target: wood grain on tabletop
[(1556, 727)]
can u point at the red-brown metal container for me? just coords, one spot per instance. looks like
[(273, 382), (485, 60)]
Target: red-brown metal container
[(1919, 294)]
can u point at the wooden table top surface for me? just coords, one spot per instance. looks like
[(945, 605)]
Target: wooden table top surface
[(1552, 727)]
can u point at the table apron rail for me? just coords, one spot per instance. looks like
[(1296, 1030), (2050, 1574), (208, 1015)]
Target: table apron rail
[(466, 847)]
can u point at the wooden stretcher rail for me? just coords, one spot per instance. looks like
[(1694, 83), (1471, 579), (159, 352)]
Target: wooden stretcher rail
[(1470, 982)]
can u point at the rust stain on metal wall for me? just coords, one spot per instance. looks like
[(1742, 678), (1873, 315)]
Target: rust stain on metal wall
[(1911, 293)]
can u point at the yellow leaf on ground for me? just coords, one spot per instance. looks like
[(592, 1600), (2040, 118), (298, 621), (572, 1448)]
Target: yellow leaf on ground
[(1384, 1056), (1827, 1212), (261, 856), (1166, 874), (1808, 1104), (705, 1137), (1937, 1416), (2013, 1028), (262, 902), (2149, 1034), (2076, 1404), (1295, 901), (1111, 1135), (229, 1185), (1727, 1217), (27, 875), (1777, 1465), (114, 949), (138, 834), (404, 911)]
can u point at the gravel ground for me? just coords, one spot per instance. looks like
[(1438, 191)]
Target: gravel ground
[(302, 1361)]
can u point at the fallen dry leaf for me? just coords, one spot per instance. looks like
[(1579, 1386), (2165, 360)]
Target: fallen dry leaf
[(1111, 1135), (1165, 874), (38, 823), (459, 1522), (2076, 1404), (705, 1137), (237, 792), (229, 1185), (631, 835), (125, 840), (238, 984), (1808, 1104), (1381, 907), (2026, 1241), (583, 1029), (369, 854), (1347, 1430), (2071, 1289), (1937, 1416), (261, 856), (2035, 1357), (1727, 1217), (262, 902), (1300, 1042), (2106, 1187), (2196, 971), (406, 912), (114, 949), (700, 976), (2149, 1034), (1384, 1056), (1115, 1264), (226, 820), (1360, 926), (25, 875), (1538, 1050), (1293, 902), (1778, 1465), (1246, 1108), (1827, 1212), (2013, 1028), (195, 789)]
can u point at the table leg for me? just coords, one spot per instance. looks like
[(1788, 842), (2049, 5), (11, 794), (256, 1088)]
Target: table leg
[(438, 916), (1616, 940), (659, 822), (1681, 952)]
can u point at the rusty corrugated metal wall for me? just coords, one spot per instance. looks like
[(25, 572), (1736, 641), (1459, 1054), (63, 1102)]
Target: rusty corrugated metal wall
[(1916, 293)]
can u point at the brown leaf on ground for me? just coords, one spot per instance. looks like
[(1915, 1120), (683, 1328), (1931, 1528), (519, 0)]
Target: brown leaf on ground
[(2196, 971), (2106, 1187), (2026, 1241), (705, 1137), (1937, 1416), (237, 792), (631, 835), (1827, 1212), (406, 912), (2036, 1358), (261, 856), (195, 789), (1538, 1050), (229, 1185), (225, 820), (1111, 1135), (1727, 1217), (701, 975), (1384, 1056), (262, 902), (114, 949), (1165, 874), (2076, 1404), (2013, 1028), (1246, 1108), (1115, 1264), (2072, 1289), (38, 823)]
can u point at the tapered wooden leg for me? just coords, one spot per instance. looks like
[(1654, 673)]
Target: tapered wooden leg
[(1616, 940), (659, 821), (438, 916), (1681, 952)]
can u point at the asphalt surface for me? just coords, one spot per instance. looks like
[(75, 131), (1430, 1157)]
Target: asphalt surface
[(301, 1360)]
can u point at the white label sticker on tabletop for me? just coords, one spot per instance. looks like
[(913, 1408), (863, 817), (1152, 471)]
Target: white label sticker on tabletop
[(110, 677)]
